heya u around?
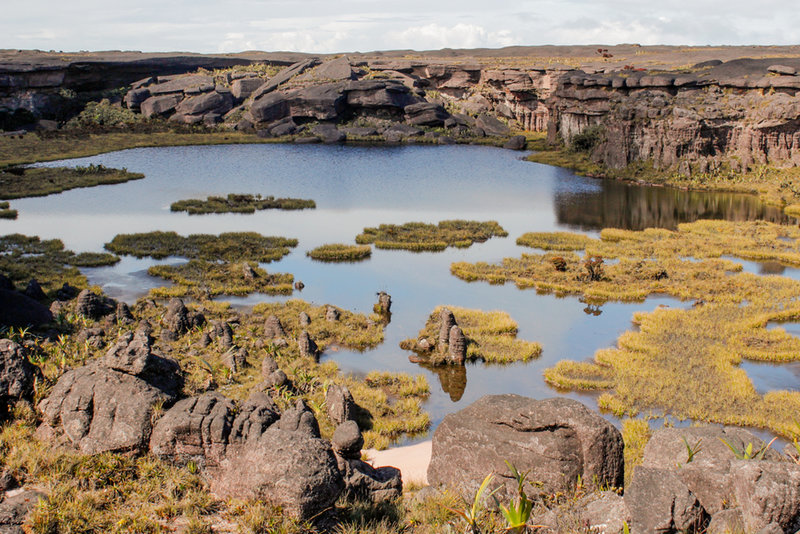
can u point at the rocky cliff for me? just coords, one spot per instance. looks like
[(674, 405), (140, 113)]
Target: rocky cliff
[(626, 104)]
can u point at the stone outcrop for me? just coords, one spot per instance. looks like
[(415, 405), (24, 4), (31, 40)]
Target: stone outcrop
[(738, 112), (17, 309), (16, 374), (340, 404), (107, 405), (555, 440), (94, 306)]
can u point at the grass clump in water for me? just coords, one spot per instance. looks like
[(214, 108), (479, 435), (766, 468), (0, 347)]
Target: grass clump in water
[(491, 336), (242, 203), (21, 182), (23, 257), (553, 240), (231, 247), (418, 236), (200, 278), (340, 252), (93, 259), (6, 212), (682, 361)]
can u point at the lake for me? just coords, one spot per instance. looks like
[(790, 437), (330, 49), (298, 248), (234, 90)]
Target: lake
[(356, 187)]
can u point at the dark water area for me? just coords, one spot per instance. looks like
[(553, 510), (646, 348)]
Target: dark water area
[(356, 187)]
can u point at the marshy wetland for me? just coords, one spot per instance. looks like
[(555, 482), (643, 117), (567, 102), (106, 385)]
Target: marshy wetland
[(357, 189)]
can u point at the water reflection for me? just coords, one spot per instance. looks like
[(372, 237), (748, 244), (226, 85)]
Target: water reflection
[(635, 207)]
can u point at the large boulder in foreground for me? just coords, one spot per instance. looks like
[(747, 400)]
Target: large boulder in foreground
[(291, 469), (708, 474), (107, 405), (555, 440), (17, 309)]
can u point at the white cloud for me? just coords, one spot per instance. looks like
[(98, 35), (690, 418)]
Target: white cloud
[(462, 35)]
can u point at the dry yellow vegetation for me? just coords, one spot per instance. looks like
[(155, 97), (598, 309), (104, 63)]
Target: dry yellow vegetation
[(681, 361)]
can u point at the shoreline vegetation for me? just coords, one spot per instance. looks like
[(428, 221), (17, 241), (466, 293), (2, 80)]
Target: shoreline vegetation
[(23, 182), (240, 203), (682, 361)]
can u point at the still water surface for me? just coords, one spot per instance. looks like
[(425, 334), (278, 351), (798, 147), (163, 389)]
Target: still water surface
[(356, 187)]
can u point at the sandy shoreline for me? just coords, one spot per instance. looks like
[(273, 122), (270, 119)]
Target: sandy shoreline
[(412, 460)]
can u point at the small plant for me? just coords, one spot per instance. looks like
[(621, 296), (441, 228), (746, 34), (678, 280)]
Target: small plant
[(749, 453), (473, 513), (518, 512), (692, 450)]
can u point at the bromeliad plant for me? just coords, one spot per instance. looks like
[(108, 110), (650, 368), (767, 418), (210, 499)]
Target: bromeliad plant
[(518, 512), (748, 452), (473, 513)]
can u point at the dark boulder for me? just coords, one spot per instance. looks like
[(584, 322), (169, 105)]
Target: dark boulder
[(123, 314), (255, 416), (768, 492), (340, 404), (321, 102), (181, 84), (446, 321), (160, 105), (5, 283), (660, 502), (360, 131), (457, 346), (284, 76), (94, 306), (366, 483), (491, 125), (16, 373), (17, 309), (299, 419), (376, 94), (244, 87), (306, 345), (337, 69), (557, 441), (708, 474), (34, 290), (67, 292), (176, 321), (212, 102), (517, 142), (328, 133), (269, 108), (99, 408), (347, 440), (290, 469), (135, 97), (196, 429), (425, 114)]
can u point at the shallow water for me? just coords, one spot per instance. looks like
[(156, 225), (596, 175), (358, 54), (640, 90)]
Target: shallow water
[(355, 187)]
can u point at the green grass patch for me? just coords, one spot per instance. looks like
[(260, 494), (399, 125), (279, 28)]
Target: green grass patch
[(491, 337), (200, 278), (6, 212), (240, 203), (23, 257), (93, 259), (340, 252), (230, 247), (21, 182), (419, 237)]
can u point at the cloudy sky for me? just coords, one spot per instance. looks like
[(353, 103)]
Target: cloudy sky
[(364, 25)]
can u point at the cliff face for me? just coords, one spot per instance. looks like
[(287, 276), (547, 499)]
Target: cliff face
[(743, 112)]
